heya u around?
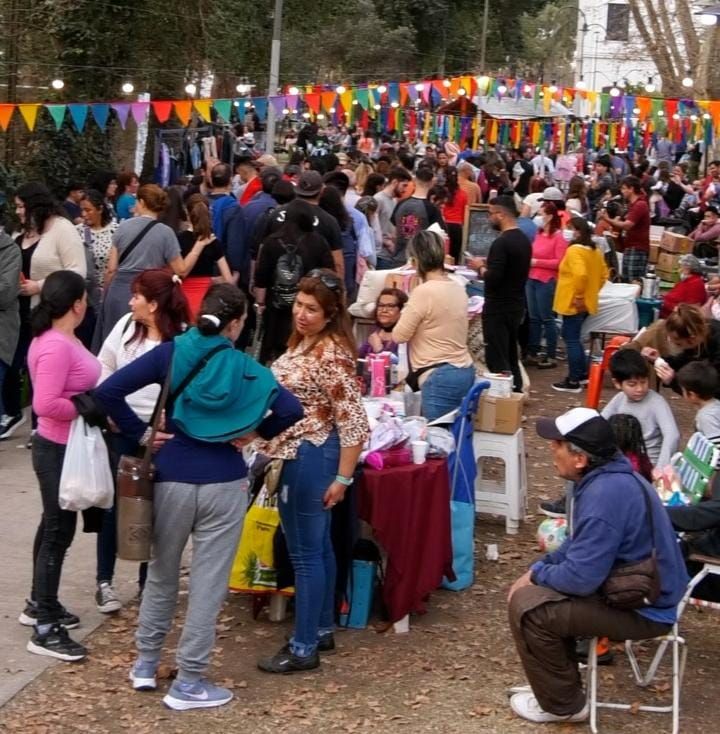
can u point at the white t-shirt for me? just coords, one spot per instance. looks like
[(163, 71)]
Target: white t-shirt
[(116, 352)]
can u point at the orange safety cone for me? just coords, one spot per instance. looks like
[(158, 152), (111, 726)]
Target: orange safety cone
[(595, 382)]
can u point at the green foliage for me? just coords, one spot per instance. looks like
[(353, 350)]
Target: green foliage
[(548, 39)]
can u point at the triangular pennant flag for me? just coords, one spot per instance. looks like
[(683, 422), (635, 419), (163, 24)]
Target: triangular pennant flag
[(346, 99), (100, 113), (57, 112), (405, 92), (278, 104), (139, 111), (291, 102), (313, 102), (29, 114), (393, 92), (203, 108), (261, 105), (78, 113), (122, 110), (162, 110), (363, 97), (6, 113), (224, 108), (427, 88), (328, 101), (183, 109)]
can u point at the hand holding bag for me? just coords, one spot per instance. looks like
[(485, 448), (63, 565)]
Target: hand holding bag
[(635, 585), (85, 480)]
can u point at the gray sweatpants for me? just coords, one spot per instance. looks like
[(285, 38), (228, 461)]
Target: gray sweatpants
[(212, 514)]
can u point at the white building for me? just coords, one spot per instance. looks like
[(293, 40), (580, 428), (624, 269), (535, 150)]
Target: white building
[(609, 48)]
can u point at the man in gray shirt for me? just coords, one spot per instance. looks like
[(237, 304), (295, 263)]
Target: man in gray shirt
[(387, 199)]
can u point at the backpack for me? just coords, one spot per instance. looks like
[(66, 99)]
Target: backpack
[(289, 269)]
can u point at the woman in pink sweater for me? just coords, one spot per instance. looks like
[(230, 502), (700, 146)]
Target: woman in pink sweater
[(60, 367), (548, 249)]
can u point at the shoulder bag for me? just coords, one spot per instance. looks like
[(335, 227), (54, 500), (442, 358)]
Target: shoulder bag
[(126, 252), (136, 476), (637, 584)]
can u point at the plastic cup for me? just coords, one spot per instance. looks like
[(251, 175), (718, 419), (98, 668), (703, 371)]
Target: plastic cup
[(419, 451)]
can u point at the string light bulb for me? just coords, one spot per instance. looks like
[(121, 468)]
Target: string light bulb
[(614, 91), (340, 89), (190, 89), (57, 84), (331, 110), (687, 81), (581, 84), (462, 92), (394, 104), (419, 87), (242, 88), (382, 89), (286, 111), (650, 86), (446, 82), (527, 89), (707, 116), (676, 116), (128, 88), (502, 88), (376, 107), (293, 91), (553, 87)]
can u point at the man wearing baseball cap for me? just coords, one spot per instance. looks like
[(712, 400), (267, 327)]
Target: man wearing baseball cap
[(557, 600)]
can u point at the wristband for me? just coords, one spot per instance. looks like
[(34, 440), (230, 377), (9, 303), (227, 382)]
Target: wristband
[(347, 481)]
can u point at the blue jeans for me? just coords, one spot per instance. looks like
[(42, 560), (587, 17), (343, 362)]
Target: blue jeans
[(306, 524), (541, 316), (577, 361), (445, 389)]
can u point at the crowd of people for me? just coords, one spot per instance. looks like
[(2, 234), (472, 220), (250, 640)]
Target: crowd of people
[(233, 292)]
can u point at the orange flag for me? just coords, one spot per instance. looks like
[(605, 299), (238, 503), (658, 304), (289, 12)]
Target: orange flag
[(6, 113), (183, 109)]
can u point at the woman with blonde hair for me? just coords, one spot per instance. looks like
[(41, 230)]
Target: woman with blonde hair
[(211, 259)]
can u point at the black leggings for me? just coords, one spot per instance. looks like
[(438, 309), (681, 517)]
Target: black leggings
[(55, 532)]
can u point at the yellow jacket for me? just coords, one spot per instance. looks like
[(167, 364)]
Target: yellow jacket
[(582, 274)]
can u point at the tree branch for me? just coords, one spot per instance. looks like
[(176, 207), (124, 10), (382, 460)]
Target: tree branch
[(690, 36), (655, 50), (681, 63)]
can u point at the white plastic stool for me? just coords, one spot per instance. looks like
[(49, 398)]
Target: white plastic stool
[(508, 498)]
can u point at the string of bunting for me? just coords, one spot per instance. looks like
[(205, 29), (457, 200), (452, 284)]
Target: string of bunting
[(596, 117)]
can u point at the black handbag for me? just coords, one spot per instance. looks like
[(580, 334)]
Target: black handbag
[(637, 584)]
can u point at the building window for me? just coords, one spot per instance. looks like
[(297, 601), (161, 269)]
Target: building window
[(618, 22)]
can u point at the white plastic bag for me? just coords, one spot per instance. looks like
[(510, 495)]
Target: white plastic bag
[(85, 480)]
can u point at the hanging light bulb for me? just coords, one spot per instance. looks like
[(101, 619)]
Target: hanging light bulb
[(331, 110), (247, 105), (306, 115), (553, 87), (676, 116), (661, 113), (687, 81), (128, 88), (581, 83), (623, 83), (650, 86), (243, 88), (57, 84), (394, 104), (527, 89), (694, 118), (286, 111), (293, 91), (502, 87), (636, 110), (462, 91), (614, 91), (320, 116), (190, 89), (708, 20), (236, 103), (446, 82), (707, 116), (376, 107), (355, 101), (340, 89), (382, 89), (419, 87)]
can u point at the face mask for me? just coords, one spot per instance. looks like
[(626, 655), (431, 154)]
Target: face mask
[(539, 221)]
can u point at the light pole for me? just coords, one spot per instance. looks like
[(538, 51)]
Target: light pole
[(274, 77)]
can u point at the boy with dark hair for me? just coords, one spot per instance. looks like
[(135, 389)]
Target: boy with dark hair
[(699, 383), (630, 374)]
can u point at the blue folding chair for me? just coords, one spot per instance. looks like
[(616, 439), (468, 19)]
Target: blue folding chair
[(463, 472)]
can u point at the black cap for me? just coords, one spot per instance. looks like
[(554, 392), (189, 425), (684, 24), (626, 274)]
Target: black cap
[(583, 427)]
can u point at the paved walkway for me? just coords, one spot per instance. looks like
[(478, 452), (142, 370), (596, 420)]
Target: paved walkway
[(19, 515)]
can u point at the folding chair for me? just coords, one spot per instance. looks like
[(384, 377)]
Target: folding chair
[(711, 566)]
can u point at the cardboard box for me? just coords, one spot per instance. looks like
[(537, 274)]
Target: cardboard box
[(674, 242), (667, 276), (499, 415), (654, 253), (668, 262), (656, 234)]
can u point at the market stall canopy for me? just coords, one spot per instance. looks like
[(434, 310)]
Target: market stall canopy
[(509, 108)]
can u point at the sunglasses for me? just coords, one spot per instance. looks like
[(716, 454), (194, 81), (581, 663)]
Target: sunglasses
[(329, 281)]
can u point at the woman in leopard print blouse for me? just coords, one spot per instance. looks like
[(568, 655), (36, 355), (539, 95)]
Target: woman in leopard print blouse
[(320, 453)]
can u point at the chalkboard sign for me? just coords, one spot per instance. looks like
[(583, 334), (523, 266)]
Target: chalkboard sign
[(478, 233)]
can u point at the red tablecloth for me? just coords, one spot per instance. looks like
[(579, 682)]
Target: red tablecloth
[(408, 508)]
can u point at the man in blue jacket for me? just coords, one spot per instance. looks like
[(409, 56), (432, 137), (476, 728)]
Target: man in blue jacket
[(557, 600)]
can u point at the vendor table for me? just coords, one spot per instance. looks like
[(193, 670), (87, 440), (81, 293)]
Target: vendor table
[(408, 508)]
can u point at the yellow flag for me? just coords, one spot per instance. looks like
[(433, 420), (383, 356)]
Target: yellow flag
[(29, 114)]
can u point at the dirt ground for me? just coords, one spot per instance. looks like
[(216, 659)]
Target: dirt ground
[(449, 674)]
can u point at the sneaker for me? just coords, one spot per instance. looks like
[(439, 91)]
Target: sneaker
[(605, 655), (285, 662), (28, 616), (546, 364), (10, 424), (142, 675), (56, 644), (567, 385), (200, 694), (526, 706), (554, 508), (106, 599)]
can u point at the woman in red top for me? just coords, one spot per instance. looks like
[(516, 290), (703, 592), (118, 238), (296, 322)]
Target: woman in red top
[(548, 249), (690, 289), (453, 211)]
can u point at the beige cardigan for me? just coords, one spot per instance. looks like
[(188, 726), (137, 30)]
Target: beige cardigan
[(59, 248)]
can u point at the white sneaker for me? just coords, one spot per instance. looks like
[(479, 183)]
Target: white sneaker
[(106, 599), (527, 707), (510, 692)]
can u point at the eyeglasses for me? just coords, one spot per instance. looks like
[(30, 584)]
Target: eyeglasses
[(384, 306), (329, 281)]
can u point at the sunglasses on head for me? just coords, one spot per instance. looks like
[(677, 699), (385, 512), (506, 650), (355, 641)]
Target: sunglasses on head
[(329, 281)]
